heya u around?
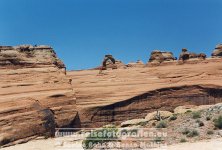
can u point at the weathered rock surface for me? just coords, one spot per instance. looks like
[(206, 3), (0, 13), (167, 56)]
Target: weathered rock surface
[(109, 62), (137, 64), (28, 56), (126, 94), (134, 122), (217, 52), (185, 55), (160, 56), (187, 108), (161, 114), (119, 64), (35, 94)]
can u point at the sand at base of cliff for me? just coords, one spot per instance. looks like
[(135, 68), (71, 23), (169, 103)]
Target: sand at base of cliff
[(52, 144)]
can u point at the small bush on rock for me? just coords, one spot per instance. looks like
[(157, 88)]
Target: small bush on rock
[(200, 123), (193, 133), (196, 115), (158, 139), (186, 131), (218, 122), (188, 111), (174, 117), (161, 124), (190, 133), (210, 132), (208, 118), (183, 140)]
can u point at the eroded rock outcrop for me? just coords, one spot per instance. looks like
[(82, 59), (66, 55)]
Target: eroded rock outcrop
[(109, 62), (35, 94), (161, 56), (158, 115), (185, 55), (217, 52), (29, 56)]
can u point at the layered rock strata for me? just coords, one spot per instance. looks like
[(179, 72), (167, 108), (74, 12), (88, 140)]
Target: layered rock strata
[(36, 96)]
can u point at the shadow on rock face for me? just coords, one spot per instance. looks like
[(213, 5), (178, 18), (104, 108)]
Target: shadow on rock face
[(48, 122)]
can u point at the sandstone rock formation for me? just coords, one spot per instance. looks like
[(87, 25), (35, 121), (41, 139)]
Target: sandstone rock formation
[(109, 62), (118, 64), (35, 94), (134, 122), (160, 56), (187, 108), (161, 114), (185, 55), (125, 94), (217, 52), (138, 63), (28, 56)]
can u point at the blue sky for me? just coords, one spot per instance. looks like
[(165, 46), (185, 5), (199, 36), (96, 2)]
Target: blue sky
[(83, 31)]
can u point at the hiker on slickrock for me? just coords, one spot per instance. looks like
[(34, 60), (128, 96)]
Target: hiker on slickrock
[(105, 60)]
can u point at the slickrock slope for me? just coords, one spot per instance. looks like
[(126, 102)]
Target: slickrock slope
[(35, 94), (125, 94)]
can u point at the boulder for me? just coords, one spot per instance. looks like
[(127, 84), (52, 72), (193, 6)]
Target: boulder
[(168, 56), (202, 56), (184, 50), (185, 55), (160, 56), (134, 122), (193, 55), (156, 56), (154, 115), (217, 52), (218, 46)]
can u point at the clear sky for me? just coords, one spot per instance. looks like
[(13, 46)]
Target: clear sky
[(83, 31)]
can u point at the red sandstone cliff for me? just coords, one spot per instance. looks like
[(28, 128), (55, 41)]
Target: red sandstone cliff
[(124, 94), (35, 94)]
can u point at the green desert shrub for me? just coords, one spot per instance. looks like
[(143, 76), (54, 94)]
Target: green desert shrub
[(173, 117), (210, 132), (158, 139), (218, 122), (208, 118), (190, 133), (193, 133), (196, 115), (100, 136), (200, 123), (186, 131), (188, 111), (183, 140), (161, 124)]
